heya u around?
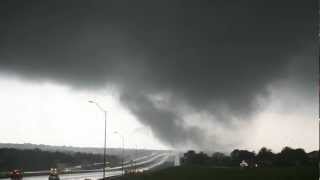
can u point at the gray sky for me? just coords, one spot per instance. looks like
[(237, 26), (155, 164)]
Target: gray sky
[(188, 74)]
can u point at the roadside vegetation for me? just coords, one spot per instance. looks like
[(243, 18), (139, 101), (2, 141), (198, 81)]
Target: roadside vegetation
[(288, 157), (204, 173), (36, 159), (289, 164)]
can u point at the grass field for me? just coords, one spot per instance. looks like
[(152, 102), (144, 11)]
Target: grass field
[(206, 173)]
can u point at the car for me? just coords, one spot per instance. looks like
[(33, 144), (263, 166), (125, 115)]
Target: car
[(15, 175), (244, 164), (54, 174), (54, 177)]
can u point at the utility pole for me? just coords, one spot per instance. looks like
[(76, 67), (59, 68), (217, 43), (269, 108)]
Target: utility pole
[(105, 136)]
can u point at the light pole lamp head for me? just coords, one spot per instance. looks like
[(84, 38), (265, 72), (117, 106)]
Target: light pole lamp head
[(97, 104)]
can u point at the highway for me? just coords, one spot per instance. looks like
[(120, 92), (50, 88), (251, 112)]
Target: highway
[(142, 164), (82, 176)]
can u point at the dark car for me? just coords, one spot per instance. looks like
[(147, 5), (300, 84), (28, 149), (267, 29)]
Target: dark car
[(15, 175), (54, 175)]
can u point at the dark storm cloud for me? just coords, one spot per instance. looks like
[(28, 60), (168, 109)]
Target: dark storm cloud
[(214, 56), (165, 123)]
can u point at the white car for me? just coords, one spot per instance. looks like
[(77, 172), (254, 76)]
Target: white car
[(244, 164)]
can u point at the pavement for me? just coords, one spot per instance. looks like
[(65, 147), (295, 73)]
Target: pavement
[(144, 163)]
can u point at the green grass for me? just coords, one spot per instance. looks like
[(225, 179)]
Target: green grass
[(206, 173)]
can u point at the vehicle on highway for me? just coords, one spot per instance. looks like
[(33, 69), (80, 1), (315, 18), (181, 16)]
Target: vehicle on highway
[(54, 174), (16, 175), (244, 164)]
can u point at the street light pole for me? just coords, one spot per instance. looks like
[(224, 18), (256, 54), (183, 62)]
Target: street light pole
[(135, 154), (122, 161), (105, 136), (105, 144)]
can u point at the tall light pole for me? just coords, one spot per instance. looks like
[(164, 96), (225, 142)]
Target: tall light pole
[(122, 137), (136, 156), (105, 136), (136, 153)]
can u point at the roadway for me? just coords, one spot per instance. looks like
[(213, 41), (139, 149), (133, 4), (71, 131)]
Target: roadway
[(144, 163)]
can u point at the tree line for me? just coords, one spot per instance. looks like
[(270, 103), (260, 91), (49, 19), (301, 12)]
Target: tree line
[(36, 159), (264, 158)]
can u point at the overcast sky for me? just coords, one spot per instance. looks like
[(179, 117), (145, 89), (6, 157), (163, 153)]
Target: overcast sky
[(208, 75)]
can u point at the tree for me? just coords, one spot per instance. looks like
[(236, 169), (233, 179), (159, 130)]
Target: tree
[(239, 155), (313, 158), (265, 157), (220, 159), (218, 156), (292, 157), (188, 157), (193, 158)]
